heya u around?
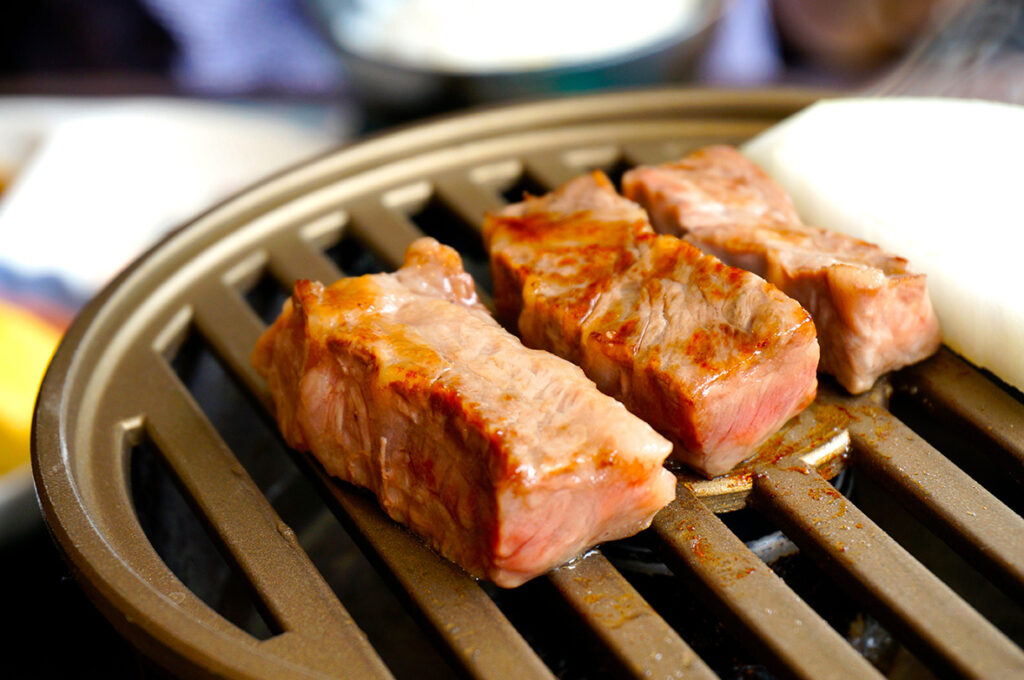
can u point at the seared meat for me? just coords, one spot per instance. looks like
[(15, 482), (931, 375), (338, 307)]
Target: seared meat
[(508, 460), (712, 356), (872, 313)]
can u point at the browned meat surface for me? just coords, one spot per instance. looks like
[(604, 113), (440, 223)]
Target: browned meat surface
[(872, 313), (507, 460), (712, 356)]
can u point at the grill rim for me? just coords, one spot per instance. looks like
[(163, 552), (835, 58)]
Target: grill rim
[(78, 537)]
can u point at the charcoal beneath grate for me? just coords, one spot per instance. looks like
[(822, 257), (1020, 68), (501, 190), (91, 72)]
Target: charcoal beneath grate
[(873, 641)]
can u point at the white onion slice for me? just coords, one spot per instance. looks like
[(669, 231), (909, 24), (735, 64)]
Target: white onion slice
[(938, 181)]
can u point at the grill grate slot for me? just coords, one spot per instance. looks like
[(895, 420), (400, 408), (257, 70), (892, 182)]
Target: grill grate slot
[(186, 546), (353, 259), (226, 496), (437, 219), (640, 640), (266, 297), (965, 515), (550, 168), (956, 392), (329, 236), (227, 323), (470, 200), (760, 608), (524, 184), (263, 453), (942, 629), (385, 231), (293, 258)]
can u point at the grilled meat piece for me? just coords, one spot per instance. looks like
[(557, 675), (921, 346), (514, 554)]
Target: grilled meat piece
[(507, 460), (872, 313), (713, 357)]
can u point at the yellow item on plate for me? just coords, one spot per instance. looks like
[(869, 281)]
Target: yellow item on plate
[(26, 345)]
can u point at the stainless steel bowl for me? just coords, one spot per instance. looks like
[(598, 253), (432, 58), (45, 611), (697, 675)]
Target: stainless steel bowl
[(416, 89)]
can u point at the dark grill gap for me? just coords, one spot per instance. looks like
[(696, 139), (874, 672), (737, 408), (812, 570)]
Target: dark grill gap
[(437, 219), (378, 196), (266, 298), (976, 455), (524, 184), (954, 570), (616, 170), (554, 632), (353, 259), (185, 545)]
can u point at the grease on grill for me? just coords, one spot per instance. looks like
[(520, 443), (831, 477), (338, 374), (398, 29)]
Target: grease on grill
[(816, 437)]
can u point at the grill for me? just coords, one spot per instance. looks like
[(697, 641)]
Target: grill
[(165, 485)]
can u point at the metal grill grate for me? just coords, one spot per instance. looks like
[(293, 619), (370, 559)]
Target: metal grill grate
[(113, 385)]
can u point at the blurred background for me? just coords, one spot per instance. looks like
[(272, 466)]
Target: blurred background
[(324, 49), (121, 119)]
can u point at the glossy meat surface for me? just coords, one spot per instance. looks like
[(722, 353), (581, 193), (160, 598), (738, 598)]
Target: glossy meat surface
[(872, 313), (712, 356), (507, 460)]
